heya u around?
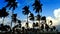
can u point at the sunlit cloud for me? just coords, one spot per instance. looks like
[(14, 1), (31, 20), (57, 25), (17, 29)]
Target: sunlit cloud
[(57, 13), (56, 19)]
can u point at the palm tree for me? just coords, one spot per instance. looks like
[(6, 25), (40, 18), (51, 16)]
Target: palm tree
[(11, 4), (31, 17), (37, 7), (42, 27), (43, 18), (38, 18), (14, 18), (26, 12), (54, 28), (44, 23), (19, 23), (33, 26), (3, 13), (47, 27)]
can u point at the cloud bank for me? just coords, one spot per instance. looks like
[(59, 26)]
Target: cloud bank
[(56, 19)]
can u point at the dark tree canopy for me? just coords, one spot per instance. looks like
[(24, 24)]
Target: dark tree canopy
[(31, 16), (3, 12), (37, 6), (11, 4), (26, 10), (43, 18), (38, 17), (14, 17)]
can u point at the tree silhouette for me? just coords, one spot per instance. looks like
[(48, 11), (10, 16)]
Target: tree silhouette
[(37, 7), (3, 13), (19, 21), (26, 12), (38, 18), (42, 27), (46, 27), (23, 30), (36, 24), (7, 27), (43, 18), (4, 27), (33, 26), (11, 4), (14, 18), (14, 29), (31, 17), (54, 28), (51, 22), (17, 27), (51, 29)]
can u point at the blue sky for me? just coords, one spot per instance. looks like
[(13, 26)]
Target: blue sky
[(47, 8)]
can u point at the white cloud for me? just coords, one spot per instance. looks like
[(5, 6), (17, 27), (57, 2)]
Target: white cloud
[(53, 20), (56, 20), (57, 13)]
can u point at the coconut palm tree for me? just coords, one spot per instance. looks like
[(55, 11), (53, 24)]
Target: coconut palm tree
[(33, 26), (43, 19), (42, 27), (47, 27), (31, 17), (38, 18), (37, 7), (17, 26), (19, 21), (3, 13), (11, 4), (14, 18), (26, 12)]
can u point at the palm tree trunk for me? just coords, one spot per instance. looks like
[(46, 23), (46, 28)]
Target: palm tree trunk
[(3, 21), (11, 18), (11, 21), (33, 26), (39, 19), (27, 21)]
